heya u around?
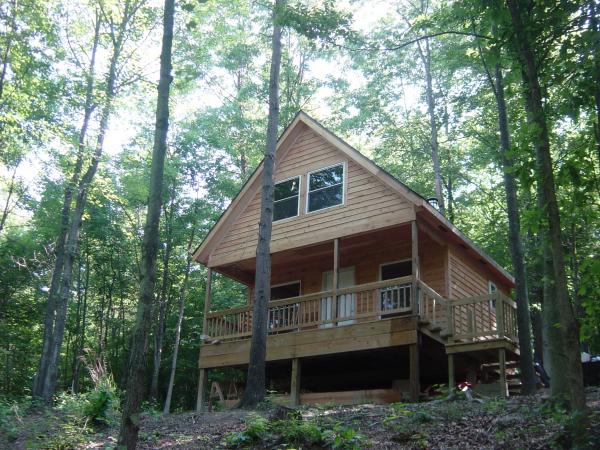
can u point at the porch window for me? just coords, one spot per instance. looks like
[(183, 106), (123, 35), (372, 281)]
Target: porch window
[(285, 317), (325, 188), (492, 290), (286, 199), (395, 297)]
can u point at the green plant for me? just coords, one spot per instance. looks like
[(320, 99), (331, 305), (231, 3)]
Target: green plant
[(344, 438), (257, 428)]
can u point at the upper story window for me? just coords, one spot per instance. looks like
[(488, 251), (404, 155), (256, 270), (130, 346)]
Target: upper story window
[(325, 188), (286, 202)]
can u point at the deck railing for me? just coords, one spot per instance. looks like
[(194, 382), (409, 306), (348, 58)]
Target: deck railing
[(319, 310), (477, 318), (484, 317)]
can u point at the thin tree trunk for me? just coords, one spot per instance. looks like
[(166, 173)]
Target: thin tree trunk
[(568, 328), (6, 55), (65, 220), (255, 384), (137, 358), (11, 190), (182, 294), (596, 56), (162, 302), (81, 342), (437, 171), (528, 379)]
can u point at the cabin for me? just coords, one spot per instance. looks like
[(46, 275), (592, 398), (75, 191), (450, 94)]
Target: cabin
[(375, 295)]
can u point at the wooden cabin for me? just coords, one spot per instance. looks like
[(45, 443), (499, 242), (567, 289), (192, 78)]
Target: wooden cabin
[(375, 294)]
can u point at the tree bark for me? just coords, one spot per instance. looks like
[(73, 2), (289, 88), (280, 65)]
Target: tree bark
[(65, 224), (557, 281), (182, 294), (128, 433), (162, 300), (596, 77), (255, 384), (437, 171)]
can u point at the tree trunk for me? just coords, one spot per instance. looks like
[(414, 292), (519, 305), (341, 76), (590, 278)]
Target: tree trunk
[(255, 384), (557, 281), (437, 171), (6, 53), (65, 222), (137, 358), (182, 294), (162, 302), (528, 378), (596, 56)]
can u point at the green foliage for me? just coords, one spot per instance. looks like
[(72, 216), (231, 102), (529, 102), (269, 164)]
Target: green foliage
[(295, 431)]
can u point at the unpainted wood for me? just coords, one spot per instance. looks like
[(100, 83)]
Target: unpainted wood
[(295, 383), (202, 388), (415, 385)]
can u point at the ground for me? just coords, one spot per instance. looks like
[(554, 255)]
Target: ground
[(516, 423)]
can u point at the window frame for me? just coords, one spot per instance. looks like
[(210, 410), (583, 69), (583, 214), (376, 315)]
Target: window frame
[(343, 183), (299, 177), (495, 289), (387, 263), (298, 282)]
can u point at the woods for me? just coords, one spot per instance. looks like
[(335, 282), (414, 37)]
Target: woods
[(127, 127)]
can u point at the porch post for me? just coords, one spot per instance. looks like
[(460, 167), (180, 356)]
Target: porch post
[(202, 385), (415, 386), (502, 368), (415, 266), (295, 386), (203, 376), (336, 276), (451, 380), (207, 299)]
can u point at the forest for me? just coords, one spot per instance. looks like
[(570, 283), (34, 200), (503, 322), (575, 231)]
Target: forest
[(128, 126)]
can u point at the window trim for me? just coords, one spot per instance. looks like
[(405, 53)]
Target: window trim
[(490, 284), (299, 197), (343, 183), (387, 263), (298, 282)]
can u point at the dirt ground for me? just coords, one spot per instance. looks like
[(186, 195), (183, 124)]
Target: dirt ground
[(517, 423)]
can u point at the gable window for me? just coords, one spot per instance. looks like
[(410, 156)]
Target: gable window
[(492, 290), (286, 199), (325, 188)]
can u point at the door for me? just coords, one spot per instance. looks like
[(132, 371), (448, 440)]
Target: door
[(346, 304)]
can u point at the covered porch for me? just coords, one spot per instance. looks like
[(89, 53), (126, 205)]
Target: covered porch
[(386, 289)]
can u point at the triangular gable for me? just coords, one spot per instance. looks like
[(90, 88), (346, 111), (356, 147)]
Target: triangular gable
[(299, 125)]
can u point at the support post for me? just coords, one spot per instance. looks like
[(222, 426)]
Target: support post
[(415, 266), (202, 385), (499, 314), (203, 375), (336, 277), (415, 385), (207, 299), (502, 368), (451, 379), (295, 387)]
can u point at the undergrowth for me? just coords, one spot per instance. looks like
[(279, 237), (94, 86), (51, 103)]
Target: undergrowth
[(294, 431)]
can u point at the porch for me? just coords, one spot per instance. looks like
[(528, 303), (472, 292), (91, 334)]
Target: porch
[(335, 316)]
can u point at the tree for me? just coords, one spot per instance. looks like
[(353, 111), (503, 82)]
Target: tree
[(567, 379), (255, 383), (137, 357)]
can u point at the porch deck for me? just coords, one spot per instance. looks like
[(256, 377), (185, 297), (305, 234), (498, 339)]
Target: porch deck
[(373, 315)]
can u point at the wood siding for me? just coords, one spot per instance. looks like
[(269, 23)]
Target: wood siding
[(369, 205)]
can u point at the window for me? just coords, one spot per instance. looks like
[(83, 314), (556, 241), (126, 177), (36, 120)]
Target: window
[(287, 290), (325, 188), (286, 199), (394, 298), (492, 290)]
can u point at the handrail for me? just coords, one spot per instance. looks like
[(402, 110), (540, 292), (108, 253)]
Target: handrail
[(477, 318), (361, 302)]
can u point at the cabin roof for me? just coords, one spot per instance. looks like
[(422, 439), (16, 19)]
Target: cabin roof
[(302, 121)]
